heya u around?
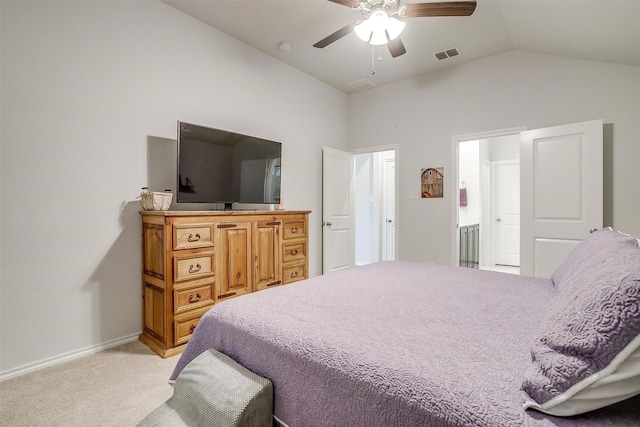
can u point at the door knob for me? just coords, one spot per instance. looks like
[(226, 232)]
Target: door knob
[(328, 224), (389, 220), (498, 219)]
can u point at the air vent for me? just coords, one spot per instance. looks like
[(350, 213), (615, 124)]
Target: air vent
[(361, 84), (450, 53), (441, 55)]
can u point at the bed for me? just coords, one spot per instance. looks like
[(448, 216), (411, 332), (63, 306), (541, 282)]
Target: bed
[(412, 344)]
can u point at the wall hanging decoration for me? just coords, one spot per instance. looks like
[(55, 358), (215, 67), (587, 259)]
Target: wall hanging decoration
[(431, 183)]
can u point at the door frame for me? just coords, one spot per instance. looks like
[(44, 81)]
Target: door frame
[(396, 148), (455, 179)]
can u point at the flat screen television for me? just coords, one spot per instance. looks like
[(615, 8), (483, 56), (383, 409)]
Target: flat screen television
[(218, 166)]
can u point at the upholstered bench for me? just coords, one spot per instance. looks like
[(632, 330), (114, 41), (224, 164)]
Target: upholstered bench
[(214, 390)]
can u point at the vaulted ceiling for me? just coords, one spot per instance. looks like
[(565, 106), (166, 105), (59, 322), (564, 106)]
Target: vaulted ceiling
[(604, 30)]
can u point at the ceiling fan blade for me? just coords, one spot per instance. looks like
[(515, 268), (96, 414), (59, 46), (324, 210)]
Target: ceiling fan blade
[(335, 36), (396, 47), (454, 8), (348, 3)]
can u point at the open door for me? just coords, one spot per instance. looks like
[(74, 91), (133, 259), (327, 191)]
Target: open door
[(561, 193), (338, 210), (389, 206)]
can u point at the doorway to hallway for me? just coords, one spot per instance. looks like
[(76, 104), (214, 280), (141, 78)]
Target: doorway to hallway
[(359, 200), (489, 209), (375, 206)]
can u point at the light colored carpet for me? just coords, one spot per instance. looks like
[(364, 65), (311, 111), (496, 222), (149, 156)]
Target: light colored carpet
[(116, 387)]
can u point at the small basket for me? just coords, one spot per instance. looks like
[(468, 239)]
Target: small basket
[(156, 201)]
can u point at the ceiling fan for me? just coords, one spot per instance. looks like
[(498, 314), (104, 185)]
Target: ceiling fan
[(382, 26)]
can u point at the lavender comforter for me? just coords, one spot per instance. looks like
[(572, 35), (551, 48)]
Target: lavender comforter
[(393, 344)]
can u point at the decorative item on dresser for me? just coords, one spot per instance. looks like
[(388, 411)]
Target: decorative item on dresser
[(192, 260)]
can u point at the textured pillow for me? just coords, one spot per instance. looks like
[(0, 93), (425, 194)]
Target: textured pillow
[(603, 241), (587, 353)]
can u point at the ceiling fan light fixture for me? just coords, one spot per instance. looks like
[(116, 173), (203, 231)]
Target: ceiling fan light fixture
[(379, 28), (363, 30), (378, 37), (381, 25), (394, 28)]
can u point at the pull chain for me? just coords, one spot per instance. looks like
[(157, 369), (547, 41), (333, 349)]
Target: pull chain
[(373, 62), (373, 58)]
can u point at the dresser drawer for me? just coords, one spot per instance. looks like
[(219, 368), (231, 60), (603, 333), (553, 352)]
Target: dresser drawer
[(192, 236), (293, 273), (294, 252), (193, 297), (183, 328), (192, 266), (294, 229)]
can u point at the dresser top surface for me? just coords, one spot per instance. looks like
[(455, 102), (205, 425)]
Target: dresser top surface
[(221, 213)]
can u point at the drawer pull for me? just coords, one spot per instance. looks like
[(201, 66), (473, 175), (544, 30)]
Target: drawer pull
[(294, 230), (230, 294), (294, 274), (195, 269), (227, 225), (192, 328), (191, 300), (193, 238), (274, 283), (273, 223), (294, 252)]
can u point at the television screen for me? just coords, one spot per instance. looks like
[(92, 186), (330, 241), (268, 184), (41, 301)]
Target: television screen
[(218, 166)]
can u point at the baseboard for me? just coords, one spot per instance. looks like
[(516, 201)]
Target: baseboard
[(65, 357)]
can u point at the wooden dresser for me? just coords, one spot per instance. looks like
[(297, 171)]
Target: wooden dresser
[(193, 260)]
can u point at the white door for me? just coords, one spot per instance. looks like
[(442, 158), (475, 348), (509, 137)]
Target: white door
[(338, 210), (389, 206), (506, 212), (561, 193)]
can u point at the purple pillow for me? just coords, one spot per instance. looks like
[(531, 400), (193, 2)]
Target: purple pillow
[(600, 242), (591, 328)]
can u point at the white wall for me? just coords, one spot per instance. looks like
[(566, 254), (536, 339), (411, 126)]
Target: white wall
[(503, 91), (469, 174), (88, 89), (504, 147)]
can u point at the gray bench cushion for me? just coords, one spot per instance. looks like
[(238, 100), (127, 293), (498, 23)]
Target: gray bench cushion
[(214, 390)]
